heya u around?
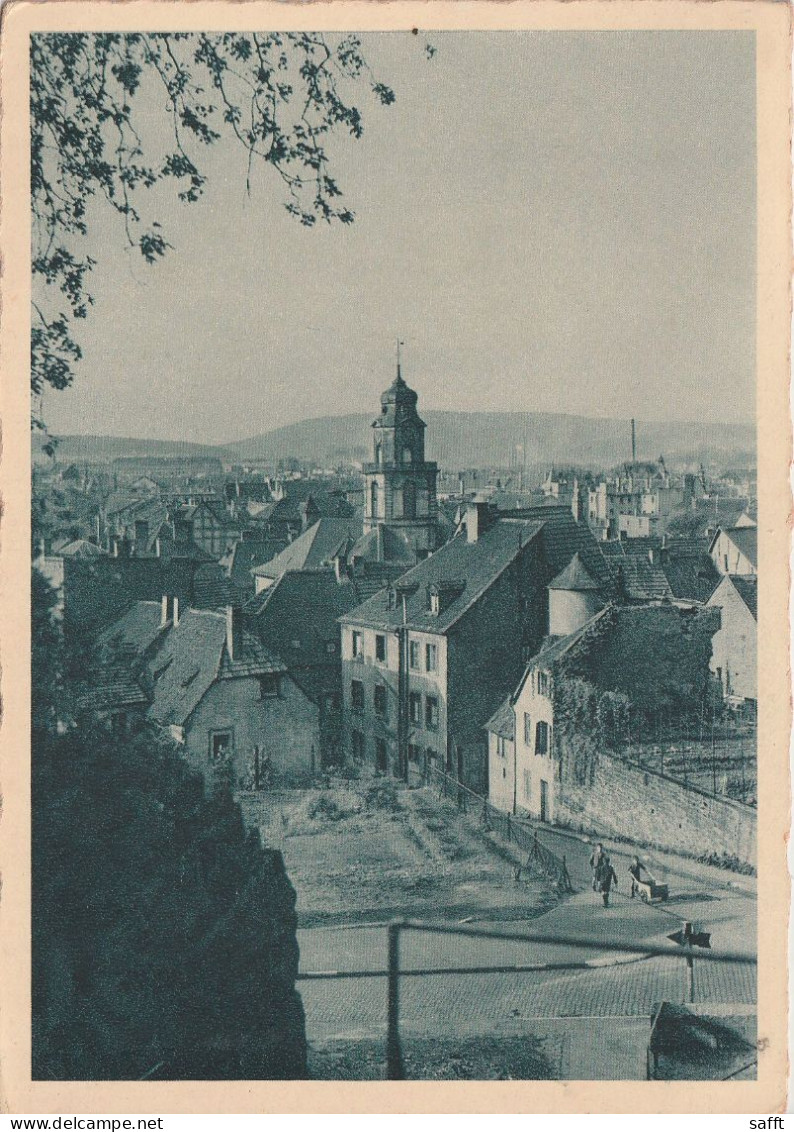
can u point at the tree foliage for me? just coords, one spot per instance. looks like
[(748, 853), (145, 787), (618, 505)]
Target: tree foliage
[(163, 935), (281, 96)]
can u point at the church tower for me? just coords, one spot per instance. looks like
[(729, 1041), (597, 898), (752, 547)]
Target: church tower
[(400, 484)]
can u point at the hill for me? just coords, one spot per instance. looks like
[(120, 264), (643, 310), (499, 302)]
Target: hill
[(465, 440), (87, 449)]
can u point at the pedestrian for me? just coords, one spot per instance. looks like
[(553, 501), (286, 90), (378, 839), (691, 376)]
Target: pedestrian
[(635, 869), (606, 877), (595, 860)]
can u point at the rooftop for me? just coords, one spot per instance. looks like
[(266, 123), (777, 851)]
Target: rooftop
[(477, 564)]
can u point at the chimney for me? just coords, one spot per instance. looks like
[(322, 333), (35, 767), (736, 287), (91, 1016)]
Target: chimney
[(633, 441), (169, 609), (478, 518), (234, 631)]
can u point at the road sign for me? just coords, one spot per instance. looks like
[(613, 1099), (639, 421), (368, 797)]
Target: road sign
[(689, 937)]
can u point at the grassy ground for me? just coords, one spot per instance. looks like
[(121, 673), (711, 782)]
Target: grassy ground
[(368, 851), (468, 1059)]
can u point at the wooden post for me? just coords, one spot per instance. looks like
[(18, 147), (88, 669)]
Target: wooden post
[(394, 1059)]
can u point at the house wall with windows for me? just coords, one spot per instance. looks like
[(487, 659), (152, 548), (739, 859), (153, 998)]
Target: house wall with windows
[(285, 727), (370, 685), (535, 765), (729, 558), (501, 769), (734, 645), (486, 649)]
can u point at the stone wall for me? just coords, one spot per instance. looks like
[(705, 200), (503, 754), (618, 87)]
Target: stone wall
[(624, 800)]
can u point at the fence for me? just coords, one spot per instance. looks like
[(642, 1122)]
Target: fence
[(395, 1070), (514, 829)]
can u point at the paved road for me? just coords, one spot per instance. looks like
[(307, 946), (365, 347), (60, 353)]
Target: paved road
[(620, 989)]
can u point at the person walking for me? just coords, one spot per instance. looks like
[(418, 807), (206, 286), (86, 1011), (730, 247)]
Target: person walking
[(635, 872), (595, 860), (606, 877)]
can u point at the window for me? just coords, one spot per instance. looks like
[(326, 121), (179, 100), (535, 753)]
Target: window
[(527, 730), (381, 755), (431, 713), (268, 686), (542, 738), (415, 708), (221, 744), (357, 695), (380, 700), (500, 746), (414, 753), (357, 745), (330, 646), (414, 654), (431, 657), (380, 647), (435, 604), (373, 496), (358, 643), (543, 683)]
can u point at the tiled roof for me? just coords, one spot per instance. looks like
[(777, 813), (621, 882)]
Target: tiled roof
[(503, 721), (746, 539), (212, 588), (113, 685), (477, 564), (747, 588), (642, 580), (692, 578), (81, 548), (314, 548), (562, 537), (133, 633), (190, 659), (297, 617), (246, 555), (555, 647)]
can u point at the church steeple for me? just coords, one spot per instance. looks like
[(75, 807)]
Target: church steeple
[(400, 483)]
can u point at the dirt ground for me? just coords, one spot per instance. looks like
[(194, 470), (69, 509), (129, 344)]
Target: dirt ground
[(368, 851)]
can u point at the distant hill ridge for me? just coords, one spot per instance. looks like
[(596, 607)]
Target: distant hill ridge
[(458, 440)]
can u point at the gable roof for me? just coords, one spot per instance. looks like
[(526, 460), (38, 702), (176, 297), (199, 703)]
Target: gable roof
[(81, 548), (503, 721), (314, 548), (191, 657), (475, 564), (747, 588), (693, 578), (297, 618), (745, 539)]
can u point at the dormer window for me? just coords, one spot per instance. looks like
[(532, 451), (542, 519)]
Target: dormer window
[(435, 604)]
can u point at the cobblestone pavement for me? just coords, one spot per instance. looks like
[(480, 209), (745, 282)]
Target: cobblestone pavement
[(599, 1017)]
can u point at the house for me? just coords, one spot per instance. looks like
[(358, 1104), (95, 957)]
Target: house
[(426, 662), (316, 548), (213, 686), (595, 691), (734, 550), (734, 660), (501, 729), (297, 619)]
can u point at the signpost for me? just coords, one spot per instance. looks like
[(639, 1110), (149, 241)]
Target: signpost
[(688, 938)]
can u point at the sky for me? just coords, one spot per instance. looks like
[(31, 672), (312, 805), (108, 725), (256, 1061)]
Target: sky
[(551, 221)]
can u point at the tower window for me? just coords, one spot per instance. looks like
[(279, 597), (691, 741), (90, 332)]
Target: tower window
[(407, 455), (373, 497)]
